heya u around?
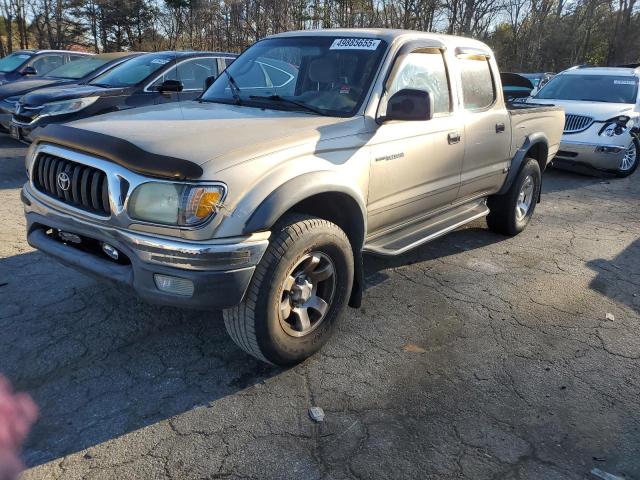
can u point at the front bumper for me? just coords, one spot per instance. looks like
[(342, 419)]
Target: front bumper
[(219, 271), (605, 153)]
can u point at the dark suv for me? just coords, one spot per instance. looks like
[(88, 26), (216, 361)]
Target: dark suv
[(34, 62), (152, 78), (78, 71)]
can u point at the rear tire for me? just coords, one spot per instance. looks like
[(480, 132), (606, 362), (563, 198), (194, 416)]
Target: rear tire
[(511, 212), (297, 293)]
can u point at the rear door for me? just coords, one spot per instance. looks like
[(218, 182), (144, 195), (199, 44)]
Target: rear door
[(487, 125)]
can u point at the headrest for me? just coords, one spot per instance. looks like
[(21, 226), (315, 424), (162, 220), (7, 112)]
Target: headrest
[(323, 70)]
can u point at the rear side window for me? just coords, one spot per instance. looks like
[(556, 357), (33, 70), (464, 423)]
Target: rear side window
[(478, 88), (425, 70)]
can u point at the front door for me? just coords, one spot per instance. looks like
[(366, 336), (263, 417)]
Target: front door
[(415, 165)]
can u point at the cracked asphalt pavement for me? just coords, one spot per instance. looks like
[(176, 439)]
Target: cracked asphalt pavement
[(513, 370)]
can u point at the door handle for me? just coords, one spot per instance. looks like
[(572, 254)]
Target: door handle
[(453, 137), (499, 127)]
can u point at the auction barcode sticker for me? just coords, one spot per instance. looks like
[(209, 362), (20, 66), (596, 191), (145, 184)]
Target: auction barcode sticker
[(624, 82), (354, 44)]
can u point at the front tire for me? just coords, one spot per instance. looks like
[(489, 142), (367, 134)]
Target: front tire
[(511, 212), (297, 293), (631, 159)]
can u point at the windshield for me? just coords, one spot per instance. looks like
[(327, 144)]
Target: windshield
[(13, 61), (591, 88), (133, 71), (77, 68), (324, 75)]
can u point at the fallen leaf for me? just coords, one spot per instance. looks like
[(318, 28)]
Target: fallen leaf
[(413, 348)]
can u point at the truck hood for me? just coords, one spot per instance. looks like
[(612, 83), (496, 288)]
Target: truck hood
[(218, 133), (68, 92), (600, 111)]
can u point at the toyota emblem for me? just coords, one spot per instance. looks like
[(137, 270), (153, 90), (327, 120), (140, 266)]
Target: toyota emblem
[(64, 182)]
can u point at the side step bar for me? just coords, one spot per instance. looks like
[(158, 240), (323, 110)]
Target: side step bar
[(415, 234)]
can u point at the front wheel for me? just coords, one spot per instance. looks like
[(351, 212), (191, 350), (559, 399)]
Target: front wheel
[(298, 291), (511, 212), (631, 159)]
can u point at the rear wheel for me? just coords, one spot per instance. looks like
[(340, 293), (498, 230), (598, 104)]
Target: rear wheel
[(511, 212), (298, 291), (631, 159)]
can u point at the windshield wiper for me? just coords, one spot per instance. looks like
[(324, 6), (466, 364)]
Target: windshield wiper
[(235, 89), (278, 98)]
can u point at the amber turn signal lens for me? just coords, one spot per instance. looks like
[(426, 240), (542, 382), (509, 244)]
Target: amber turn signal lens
[(207, 204)]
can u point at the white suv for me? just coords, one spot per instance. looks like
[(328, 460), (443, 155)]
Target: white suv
[(602, 122)]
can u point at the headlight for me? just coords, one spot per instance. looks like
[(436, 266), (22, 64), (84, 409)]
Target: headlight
[(616, 126), (174, 203), (67, 106)]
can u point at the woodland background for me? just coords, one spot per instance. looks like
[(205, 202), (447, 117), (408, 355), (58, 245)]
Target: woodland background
[(527, 35)]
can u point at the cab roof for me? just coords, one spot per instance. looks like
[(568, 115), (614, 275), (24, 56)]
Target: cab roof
[(388, 35)]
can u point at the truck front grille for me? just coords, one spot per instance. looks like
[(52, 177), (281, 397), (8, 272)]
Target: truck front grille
[(78, 185), (576, 123)]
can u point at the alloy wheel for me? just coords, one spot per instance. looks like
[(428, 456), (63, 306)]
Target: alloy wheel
[(629, 159), (307, 292), (525, 198)]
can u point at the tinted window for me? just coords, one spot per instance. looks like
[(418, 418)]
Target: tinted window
[(77, 68), (478, 90), (192, 73), (133, 71), (591, 88), (425, 70), (328, 74), (13, 61), (45, 63)]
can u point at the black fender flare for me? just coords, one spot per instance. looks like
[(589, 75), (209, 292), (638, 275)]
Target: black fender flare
[(531, 141), (297, 189)]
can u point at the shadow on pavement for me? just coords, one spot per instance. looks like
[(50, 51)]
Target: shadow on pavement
[(99, 363), (619, 279)]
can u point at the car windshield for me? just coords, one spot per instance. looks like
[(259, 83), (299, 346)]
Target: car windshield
[(13, 61), (78, 68), (591, 88), (323, 75), (133, 71)]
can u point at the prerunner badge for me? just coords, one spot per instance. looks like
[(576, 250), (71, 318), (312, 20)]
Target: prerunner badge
[(354, 44)]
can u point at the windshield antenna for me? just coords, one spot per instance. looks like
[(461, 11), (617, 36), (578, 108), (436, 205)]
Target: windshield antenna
[(235, 89)]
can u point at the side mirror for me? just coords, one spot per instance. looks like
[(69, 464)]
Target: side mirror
[(209, 81), (170, 86), (410, 105), (30, 70)]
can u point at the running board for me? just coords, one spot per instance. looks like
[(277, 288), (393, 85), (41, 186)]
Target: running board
[(415, 234)]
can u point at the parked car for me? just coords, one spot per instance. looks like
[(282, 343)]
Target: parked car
[(34, 62), (539, 79), (602, 121), (148, 79), (515, 87), (76, 72), (261, 196)]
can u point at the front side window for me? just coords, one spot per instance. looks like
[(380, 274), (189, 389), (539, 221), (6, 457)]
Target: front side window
[(77, 69), (478, 89), (591, 88), (425, 70), (133, 71), (13, 61), (328, 75), (192, 73), (46, 63)]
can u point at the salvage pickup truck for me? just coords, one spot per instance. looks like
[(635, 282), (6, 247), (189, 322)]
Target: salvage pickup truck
[(261, 196)]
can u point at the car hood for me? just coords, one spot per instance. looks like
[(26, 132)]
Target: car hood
[(68, 92), (218, 133), (20, 87), (599, 111)]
